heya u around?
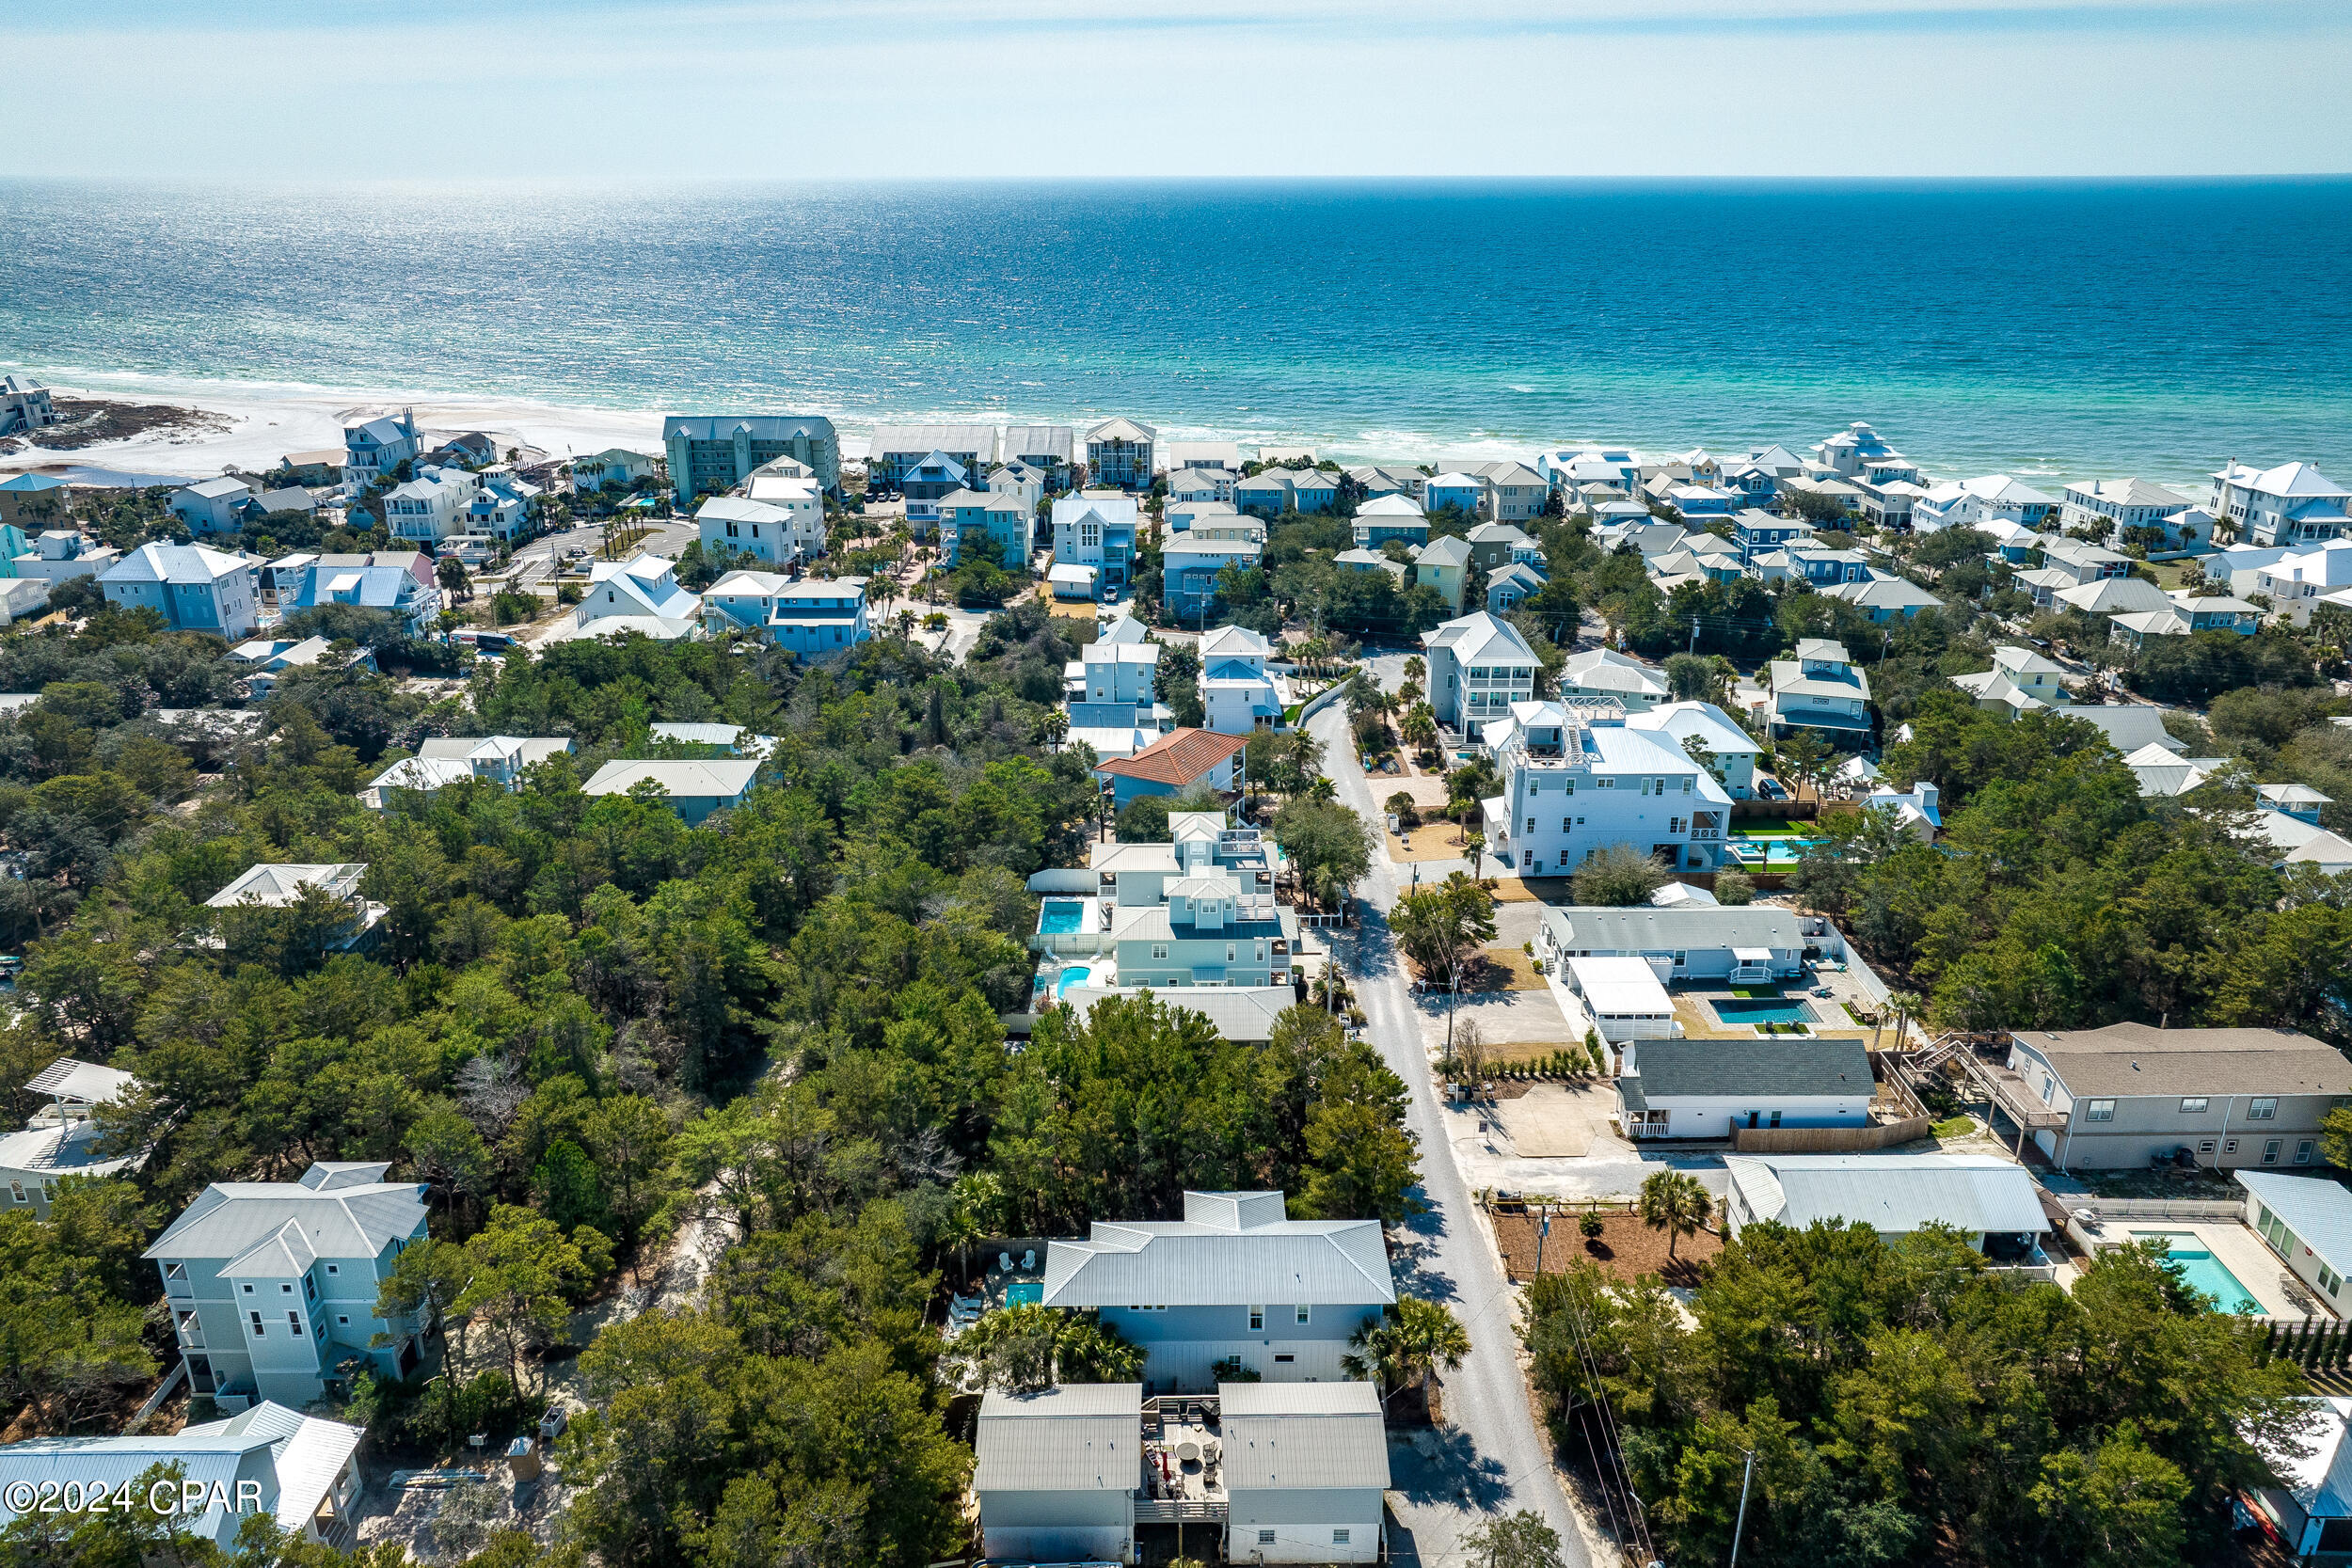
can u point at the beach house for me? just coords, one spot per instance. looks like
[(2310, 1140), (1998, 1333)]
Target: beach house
[(272, 1285), (35, 500), (1707, 735), (782, 532), (216, 505), (2020, 679), (25, 404), (1883, 596), (613, 469), (1755, 531), (1605, 672), (1177, 762), (431, 507), (1990, 1200), (63, 1137), (1389, 517), (1508, 589), (1497, 545), (2291, 504), (991, 525), (1970, 502), (1096, 529), (397, 589), (285, 886), (193, 588), (1509, 492), (1859, 453), (2186, 614), (1186, 486), (2115, 1098), (711, 452), (1443, 565), (1576, 780), (694, 789), (808, 615), (1685, 1088), (1121, 455), (1455, 491), (2121, 506), (2294, 584), (1237, 694), (373, 448), (1821, 690), (1191, 565), (1263, 495), (1235, 1281), (643, 590), (1478, 667)]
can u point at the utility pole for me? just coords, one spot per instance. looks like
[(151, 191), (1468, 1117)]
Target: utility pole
[(1543, 1231), (1742, 1520), (1695, 635)]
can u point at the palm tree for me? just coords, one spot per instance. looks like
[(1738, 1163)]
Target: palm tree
[(1420, 727), (1416, 669), (1673, 1201), (1057, 728), (1412, 1340)]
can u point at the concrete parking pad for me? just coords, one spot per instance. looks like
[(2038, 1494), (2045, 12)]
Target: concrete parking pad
[(1556, 1118)]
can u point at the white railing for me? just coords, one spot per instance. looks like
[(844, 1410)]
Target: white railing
[(1172, 1510)]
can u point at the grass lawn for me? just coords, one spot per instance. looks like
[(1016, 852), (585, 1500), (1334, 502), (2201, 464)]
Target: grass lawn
[(1755, 992), (1768, 827), (1955, 1127)]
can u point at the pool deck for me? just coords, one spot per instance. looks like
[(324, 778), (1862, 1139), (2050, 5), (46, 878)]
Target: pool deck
[(2236, 1248)]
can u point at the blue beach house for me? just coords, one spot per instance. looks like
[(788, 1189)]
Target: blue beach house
[(1464, 493), (1235, 1282), (1312, 490), (1265, 494)]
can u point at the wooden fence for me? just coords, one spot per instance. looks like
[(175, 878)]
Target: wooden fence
[(1828, 1140)]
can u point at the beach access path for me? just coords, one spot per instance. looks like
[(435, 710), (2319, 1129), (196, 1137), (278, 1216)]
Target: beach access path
[(1491, 1458)]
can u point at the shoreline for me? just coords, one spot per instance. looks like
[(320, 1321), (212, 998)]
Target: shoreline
[(251, 425)]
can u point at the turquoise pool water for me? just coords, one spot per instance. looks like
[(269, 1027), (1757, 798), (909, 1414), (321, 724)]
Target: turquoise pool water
[(1024, 1292), (1074, 975), (2203, 1270), (1781, 852), (1061, 917), (1763, 1009)]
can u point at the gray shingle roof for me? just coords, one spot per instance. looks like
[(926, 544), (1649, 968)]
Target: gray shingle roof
[(2138, 1058), (1760, 1068)]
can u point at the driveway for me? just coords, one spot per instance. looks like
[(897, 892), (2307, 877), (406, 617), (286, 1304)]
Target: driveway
[(1556, 1118), (1491, 1458)]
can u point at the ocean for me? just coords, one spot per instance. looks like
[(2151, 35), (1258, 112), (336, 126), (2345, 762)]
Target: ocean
[(2049, 329)]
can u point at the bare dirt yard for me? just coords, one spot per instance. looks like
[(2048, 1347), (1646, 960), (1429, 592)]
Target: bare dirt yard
[(1626, 1249)]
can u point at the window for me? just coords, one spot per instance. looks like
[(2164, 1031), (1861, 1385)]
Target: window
[(333, 1268), (1565, 823), (1257, 1320), (1530, 824), (1568, 785), (1265, 1538), (1159, 950), (2262, 1110), (2229, 1146), (257, 1327), (309, 1288), (2099, 1110), (1304, 1312), (1604, 783), (246, 1288), (16, 1191), (2270, 1151), (2193, 1105), (1279, 1359), (285, 1290), (1685, 787), (1233, 952), (1339, 1536), (2303, 1152), (341, 1320)]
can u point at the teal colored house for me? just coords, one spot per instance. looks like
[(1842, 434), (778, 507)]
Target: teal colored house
[(13, 544), (1312, 490)]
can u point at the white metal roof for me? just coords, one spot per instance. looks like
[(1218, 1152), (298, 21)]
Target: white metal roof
[(1289, 1437), (2318, 1210), (344, 1210), (1892, 1193), (84, 1082), (716, 778), (1081, 1437), (1230, 1249), (1621, 988)]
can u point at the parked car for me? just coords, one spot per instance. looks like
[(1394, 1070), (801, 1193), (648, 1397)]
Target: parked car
[(1770, 787)]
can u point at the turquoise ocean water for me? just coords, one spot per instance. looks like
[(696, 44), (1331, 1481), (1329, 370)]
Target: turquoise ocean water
[(2046, 329)]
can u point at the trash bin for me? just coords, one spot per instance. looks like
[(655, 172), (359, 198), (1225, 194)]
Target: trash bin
[(522, 1457)]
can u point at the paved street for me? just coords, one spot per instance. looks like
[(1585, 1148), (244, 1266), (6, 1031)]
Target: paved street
[(1491, 1457)]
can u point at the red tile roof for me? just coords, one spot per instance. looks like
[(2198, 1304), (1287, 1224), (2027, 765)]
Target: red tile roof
[(1178, 758)]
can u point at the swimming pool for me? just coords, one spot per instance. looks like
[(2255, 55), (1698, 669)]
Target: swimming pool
[(1024, 1292), (1060, 916), (1076, 975), (2203, 1270), (1763, 1009)]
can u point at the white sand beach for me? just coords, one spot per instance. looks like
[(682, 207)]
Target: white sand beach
[(264, 422)]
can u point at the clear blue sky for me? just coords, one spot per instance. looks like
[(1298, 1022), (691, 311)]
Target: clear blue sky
[(847, 88)]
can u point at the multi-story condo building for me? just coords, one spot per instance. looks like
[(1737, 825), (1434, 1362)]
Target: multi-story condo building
[(1576, 781), (1478, 667), (711, 453), (1120, 454), (2291, 504), (272, 1285)]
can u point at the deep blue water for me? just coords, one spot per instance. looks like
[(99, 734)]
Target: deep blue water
[(2054, 328)]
